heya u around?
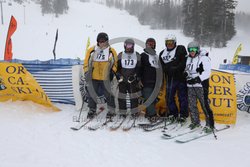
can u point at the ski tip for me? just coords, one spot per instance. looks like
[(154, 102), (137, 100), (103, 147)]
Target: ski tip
[(179, 141), (166, 135), (73, 128)]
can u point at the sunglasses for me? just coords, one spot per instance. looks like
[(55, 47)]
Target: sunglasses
[(101, 41), (169, 42), (192, 49)]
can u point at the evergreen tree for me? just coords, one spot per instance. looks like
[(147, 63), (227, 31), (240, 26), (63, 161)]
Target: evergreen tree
[(60, 6), (46, 6)]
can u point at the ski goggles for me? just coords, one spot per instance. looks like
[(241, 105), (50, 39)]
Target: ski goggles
[(129, 46), (194, 49), (169, 42)]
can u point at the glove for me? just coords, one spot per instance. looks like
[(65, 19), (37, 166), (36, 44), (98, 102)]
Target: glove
[(185, 74), (194, 81), (131, 79), (120, 79), (140, 84), (200, 69)]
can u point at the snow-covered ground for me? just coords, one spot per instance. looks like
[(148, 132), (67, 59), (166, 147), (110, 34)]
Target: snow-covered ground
[(32, 135)]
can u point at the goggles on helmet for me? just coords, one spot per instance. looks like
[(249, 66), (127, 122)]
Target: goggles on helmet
[(193, 49), (129, 45)]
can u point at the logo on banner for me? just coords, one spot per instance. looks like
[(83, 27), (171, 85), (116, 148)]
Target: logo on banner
[(243, 98), (2, 85)]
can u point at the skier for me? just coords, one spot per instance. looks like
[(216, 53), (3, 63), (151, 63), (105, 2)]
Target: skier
[(198, 70), (149, 67), (128, 76), (173, 60), (100, 64)]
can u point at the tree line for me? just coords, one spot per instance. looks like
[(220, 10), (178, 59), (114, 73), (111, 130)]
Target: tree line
[(210, 22)]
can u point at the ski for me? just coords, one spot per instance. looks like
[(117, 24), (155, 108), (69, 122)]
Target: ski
[(177, 133), (117, 124), (150, 124), (83, 124), (198, 134), (161, 125), (100, 125)]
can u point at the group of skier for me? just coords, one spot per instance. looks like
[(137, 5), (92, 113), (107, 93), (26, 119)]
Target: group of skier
[(141, 75)]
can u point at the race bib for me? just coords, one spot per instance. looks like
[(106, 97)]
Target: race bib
[(168, 56), (153, 60), (101, 55), (129, 61)]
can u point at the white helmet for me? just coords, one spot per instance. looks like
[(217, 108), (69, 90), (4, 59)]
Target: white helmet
[(170, 37)]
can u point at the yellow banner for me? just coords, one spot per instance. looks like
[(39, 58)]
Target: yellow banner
[(87, 45), (222, 96), (236, 54), (16, 83)]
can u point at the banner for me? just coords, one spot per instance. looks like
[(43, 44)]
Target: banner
[(16, 83), (222, 96), (8, 45), (243, 92), (235, 58)]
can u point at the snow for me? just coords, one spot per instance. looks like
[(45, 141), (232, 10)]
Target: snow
[(32, 135)]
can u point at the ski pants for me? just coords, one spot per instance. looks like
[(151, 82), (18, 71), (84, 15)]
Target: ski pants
[(132, 90), (174, 86), (205, 85), (96, 89), (146, 93), (194, 94)]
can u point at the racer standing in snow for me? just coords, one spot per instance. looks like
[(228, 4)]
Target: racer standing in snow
[(198, 70), (128, 76), (100, 64), (173, 60), (149, 67)]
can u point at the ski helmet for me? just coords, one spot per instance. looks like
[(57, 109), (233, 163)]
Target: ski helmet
[(193, 47), (151, 42), (169, 40), (129, 45), (102, 36), (171, 37)]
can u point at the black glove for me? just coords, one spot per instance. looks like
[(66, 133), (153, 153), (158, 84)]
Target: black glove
[(200, 69), (131, 79), (185, 74), (194, 81)]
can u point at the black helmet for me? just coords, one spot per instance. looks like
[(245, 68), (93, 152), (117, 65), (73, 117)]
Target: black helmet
[(129, 45), (151, 42), (102, 36)]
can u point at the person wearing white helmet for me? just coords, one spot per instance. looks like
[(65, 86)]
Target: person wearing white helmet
[(198, 70), (173, 60)]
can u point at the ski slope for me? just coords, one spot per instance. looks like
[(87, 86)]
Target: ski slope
[(34, 136)]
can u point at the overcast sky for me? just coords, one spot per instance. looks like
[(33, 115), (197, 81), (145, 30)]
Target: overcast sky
[(243, 5)]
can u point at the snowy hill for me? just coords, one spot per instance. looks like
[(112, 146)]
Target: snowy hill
[(33, 136)]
